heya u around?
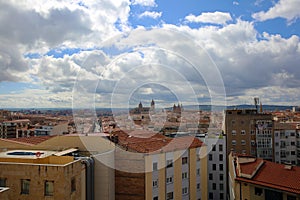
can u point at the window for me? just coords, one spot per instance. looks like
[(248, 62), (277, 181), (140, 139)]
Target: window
[(220, 157), (233, 142), (184, 191), (221, 196), (211, 195), (49, 188), (221, 177), (220, 147), (293, 153), (155, 198), (210, 157), (243, 142), (169, 179), (252, 132), (214, 186), (184, 160), (258, 191), (2, 182), (184, 175), (221, 167), (293, 143), (289, 197), (214, 167), (214, 148), (154, 166), (210, 176), (198, 186), (198, 172), (221, 186), (233, 132), (73, 185), (155, 183), (169, 163), (292, 134), (25, 183), (252, 142), (243, 132), (169, 195)]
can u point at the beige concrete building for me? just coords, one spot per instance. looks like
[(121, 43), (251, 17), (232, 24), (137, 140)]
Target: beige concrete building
[(94, 146), (41, 175), (155, 167)]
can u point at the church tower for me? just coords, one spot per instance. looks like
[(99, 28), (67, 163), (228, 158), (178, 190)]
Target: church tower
[(152, 105)]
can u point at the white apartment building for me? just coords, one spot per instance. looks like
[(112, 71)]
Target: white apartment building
[(216, 165), (287, 143)]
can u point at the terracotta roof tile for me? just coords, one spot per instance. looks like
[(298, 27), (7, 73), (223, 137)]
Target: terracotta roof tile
[(151, 142), (273, 175)]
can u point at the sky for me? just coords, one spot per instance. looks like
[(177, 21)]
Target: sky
[(103, 53)]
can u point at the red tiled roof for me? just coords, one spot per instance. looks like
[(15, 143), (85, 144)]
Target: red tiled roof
[(30, 140), (273, 175), (251, 167), (151, 142)]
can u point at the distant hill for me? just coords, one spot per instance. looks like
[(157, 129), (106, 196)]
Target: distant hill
[(243, 106)]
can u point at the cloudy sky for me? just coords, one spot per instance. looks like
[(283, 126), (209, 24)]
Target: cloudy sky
[(114, 53)]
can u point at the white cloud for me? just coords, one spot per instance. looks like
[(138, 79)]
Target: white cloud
[(149, 3), (150, 14), (288, 9), (210, 17), (248, 62)]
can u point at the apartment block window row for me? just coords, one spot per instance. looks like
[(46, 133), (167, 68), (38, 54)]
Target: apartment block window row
[(221, 167), (221, 177), (221, 157), (184, 175), (155, 183), (169, 180), (220, 147), (198, 172), (169, 163), (184, 160), (170, 196), (155, 167), (184, 191), (198, 186)]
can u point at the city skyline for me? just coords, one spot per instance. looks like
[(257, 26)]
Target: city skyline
[(104, 54)]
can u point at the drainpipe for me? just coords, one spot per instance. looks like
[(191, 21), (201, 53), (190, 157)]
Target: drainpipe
[(89, 175)]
